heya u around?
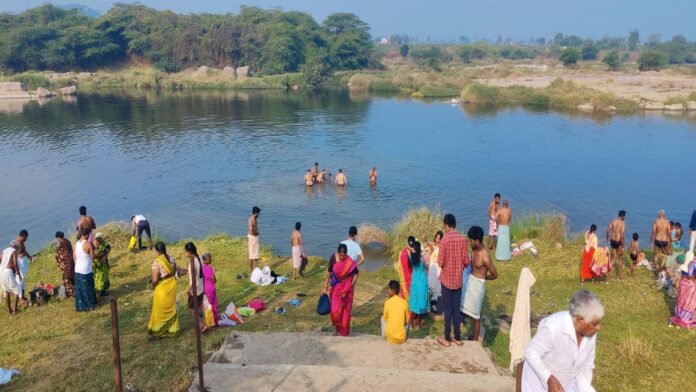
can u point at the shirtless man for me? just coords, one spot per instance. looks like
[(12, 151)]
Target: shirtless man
[(22, 257), (308, 178), (502, 246), (492, 221), (297, 251), (616, 237), (315, 171), (86, 222), (373, 176), (660, 239), (320, 176), (341, 178), (9, 274), (253, 237), (482, 269)]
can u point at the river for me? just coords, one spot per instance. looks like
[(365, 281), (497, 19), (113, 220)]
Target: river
[(197, 163)]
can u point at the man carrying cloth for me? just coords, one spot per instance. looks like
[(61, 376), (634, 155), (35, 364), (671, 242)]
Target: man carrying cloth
[(482, 269)]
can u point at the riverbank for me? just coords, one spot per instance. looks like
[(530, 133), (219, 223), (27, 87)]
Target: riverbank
[(53, 342)]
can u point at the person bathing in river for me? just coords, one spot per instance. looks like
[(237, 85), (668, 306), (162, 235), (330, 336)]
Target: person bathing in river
[(321, 176), (297, 251), (661, 240), (493, 221), (315, 171), (502, 250), (341, 179), (308, 179), (373, 176), (482, 270), (615, 238)]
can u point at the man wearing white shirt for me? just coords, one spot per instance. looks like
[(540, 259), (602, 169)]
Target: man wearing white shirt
[(354, 250), (560, 357)]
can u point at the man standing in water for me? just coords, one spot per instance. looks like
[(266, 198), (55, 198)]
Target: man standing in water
[(354, 250), (341, 178), (492, 221), (315, 171), (253, 237), (320, 176), (297, 251), (661, 236), (373, 176), (616, 237), (308, 180), (502, 250), (482, 270), (86, 222)]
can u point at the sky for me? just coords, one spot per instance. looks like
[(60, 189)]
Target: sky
[(447, 20)]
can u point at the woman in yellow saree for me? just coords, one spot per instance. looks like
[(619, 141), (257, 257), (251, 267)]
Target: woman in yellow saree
[(164, 320)]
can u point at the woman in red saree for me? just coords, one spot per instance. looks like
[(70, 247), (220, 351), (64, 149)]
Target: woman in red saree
[(404, 269), (588, 254), (342, 274)]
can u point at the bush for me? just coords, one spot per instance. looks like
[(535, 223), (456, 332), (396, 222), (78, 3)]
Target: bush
[(589, 50), (570, 56), (651, 60), (613, 60), (32, 80), (469, 53), (479, 93), (431, 56), (403, 50)]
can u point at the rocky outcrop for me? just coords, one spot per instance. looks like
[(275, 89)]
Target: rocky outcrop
[(202, 71), (652, 105), (242, 72), (586, 107), (12, 86), (43, 93), (228, 71), (609, 108), (677, 107), (691, 105), (70, 90)]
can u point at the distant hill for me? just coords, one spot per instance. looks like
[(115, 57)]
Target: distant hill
[(84, 10)]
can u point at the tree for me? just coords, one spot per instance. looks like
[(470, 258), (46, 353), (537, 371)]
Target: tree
[(404, 50), (651, 60), (633, 40), (613, 60), (570, 56), (589, 50), (350, 46)]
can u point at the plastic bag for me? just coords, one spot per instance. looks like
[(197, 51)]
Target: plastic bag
[(133, 243), (257, 305), (232, 313), (324, 305)]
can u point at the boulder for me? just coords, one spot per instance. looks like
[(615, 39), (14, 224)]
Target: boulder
[(609, 108), (70, 90), (691, 105), (228, 71), (651, 105), (242, 72), (586, 107), (43, 93), (677, 107), (12, 86)]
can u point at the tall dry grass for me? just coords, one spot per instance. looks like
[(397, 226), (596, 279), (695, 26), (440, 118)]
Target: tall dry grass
[(545, 227)]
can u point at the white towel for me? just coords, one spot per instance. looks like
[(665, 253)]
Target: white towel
[(520, 330)]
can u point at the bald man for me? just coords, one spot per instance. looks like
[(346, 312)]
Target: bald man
[(660, 240)]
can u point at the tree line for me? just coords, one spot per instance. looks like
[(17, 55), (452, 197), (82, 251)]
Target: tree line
[(268, 41)]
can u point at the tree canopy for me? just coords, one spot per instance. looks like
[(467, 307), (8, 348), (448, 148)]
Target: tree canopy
[(269, 41)]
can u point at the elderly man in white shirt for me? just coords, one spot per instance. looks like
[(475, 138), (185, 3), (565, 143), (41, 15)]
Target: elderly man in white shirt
[(560, 357)]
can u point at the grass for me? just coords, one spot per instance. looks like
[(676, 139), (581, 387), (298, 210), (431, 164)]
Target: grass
[(636, 348)]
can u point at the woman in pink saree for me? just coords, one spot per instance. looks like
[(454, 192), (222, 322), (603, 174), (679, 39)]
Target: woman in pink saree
[(685, 311), (342, 274)]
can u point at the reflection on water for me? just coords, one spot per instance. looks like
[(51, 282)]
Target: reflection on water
[(198, 162)]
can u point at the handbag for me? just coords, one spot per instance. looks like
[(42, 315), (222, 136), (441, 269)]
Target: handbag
[(324, 305)]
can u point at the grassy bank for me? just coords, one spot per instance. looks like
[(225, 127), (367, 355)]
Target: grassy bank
[(143, 77), (636, 349)]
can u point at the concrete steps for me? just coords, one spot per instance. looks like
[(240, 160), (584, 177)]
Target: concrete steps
[(320, 362)]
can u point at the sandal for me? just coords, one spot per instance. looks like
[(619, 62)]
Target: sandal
[(457, 342), (443, 342)]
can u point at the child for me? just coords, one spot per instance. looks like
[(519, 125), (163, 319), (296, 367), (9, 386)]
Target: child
[(395, 316), (633, 252), (676, 236), (209, 282)]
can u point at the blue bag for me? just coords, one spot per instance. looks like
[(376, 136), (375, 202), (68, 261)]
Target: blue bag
[(324, 305)]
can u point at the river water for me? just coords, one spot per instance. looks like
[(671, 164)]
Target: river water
[(197, 163)]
